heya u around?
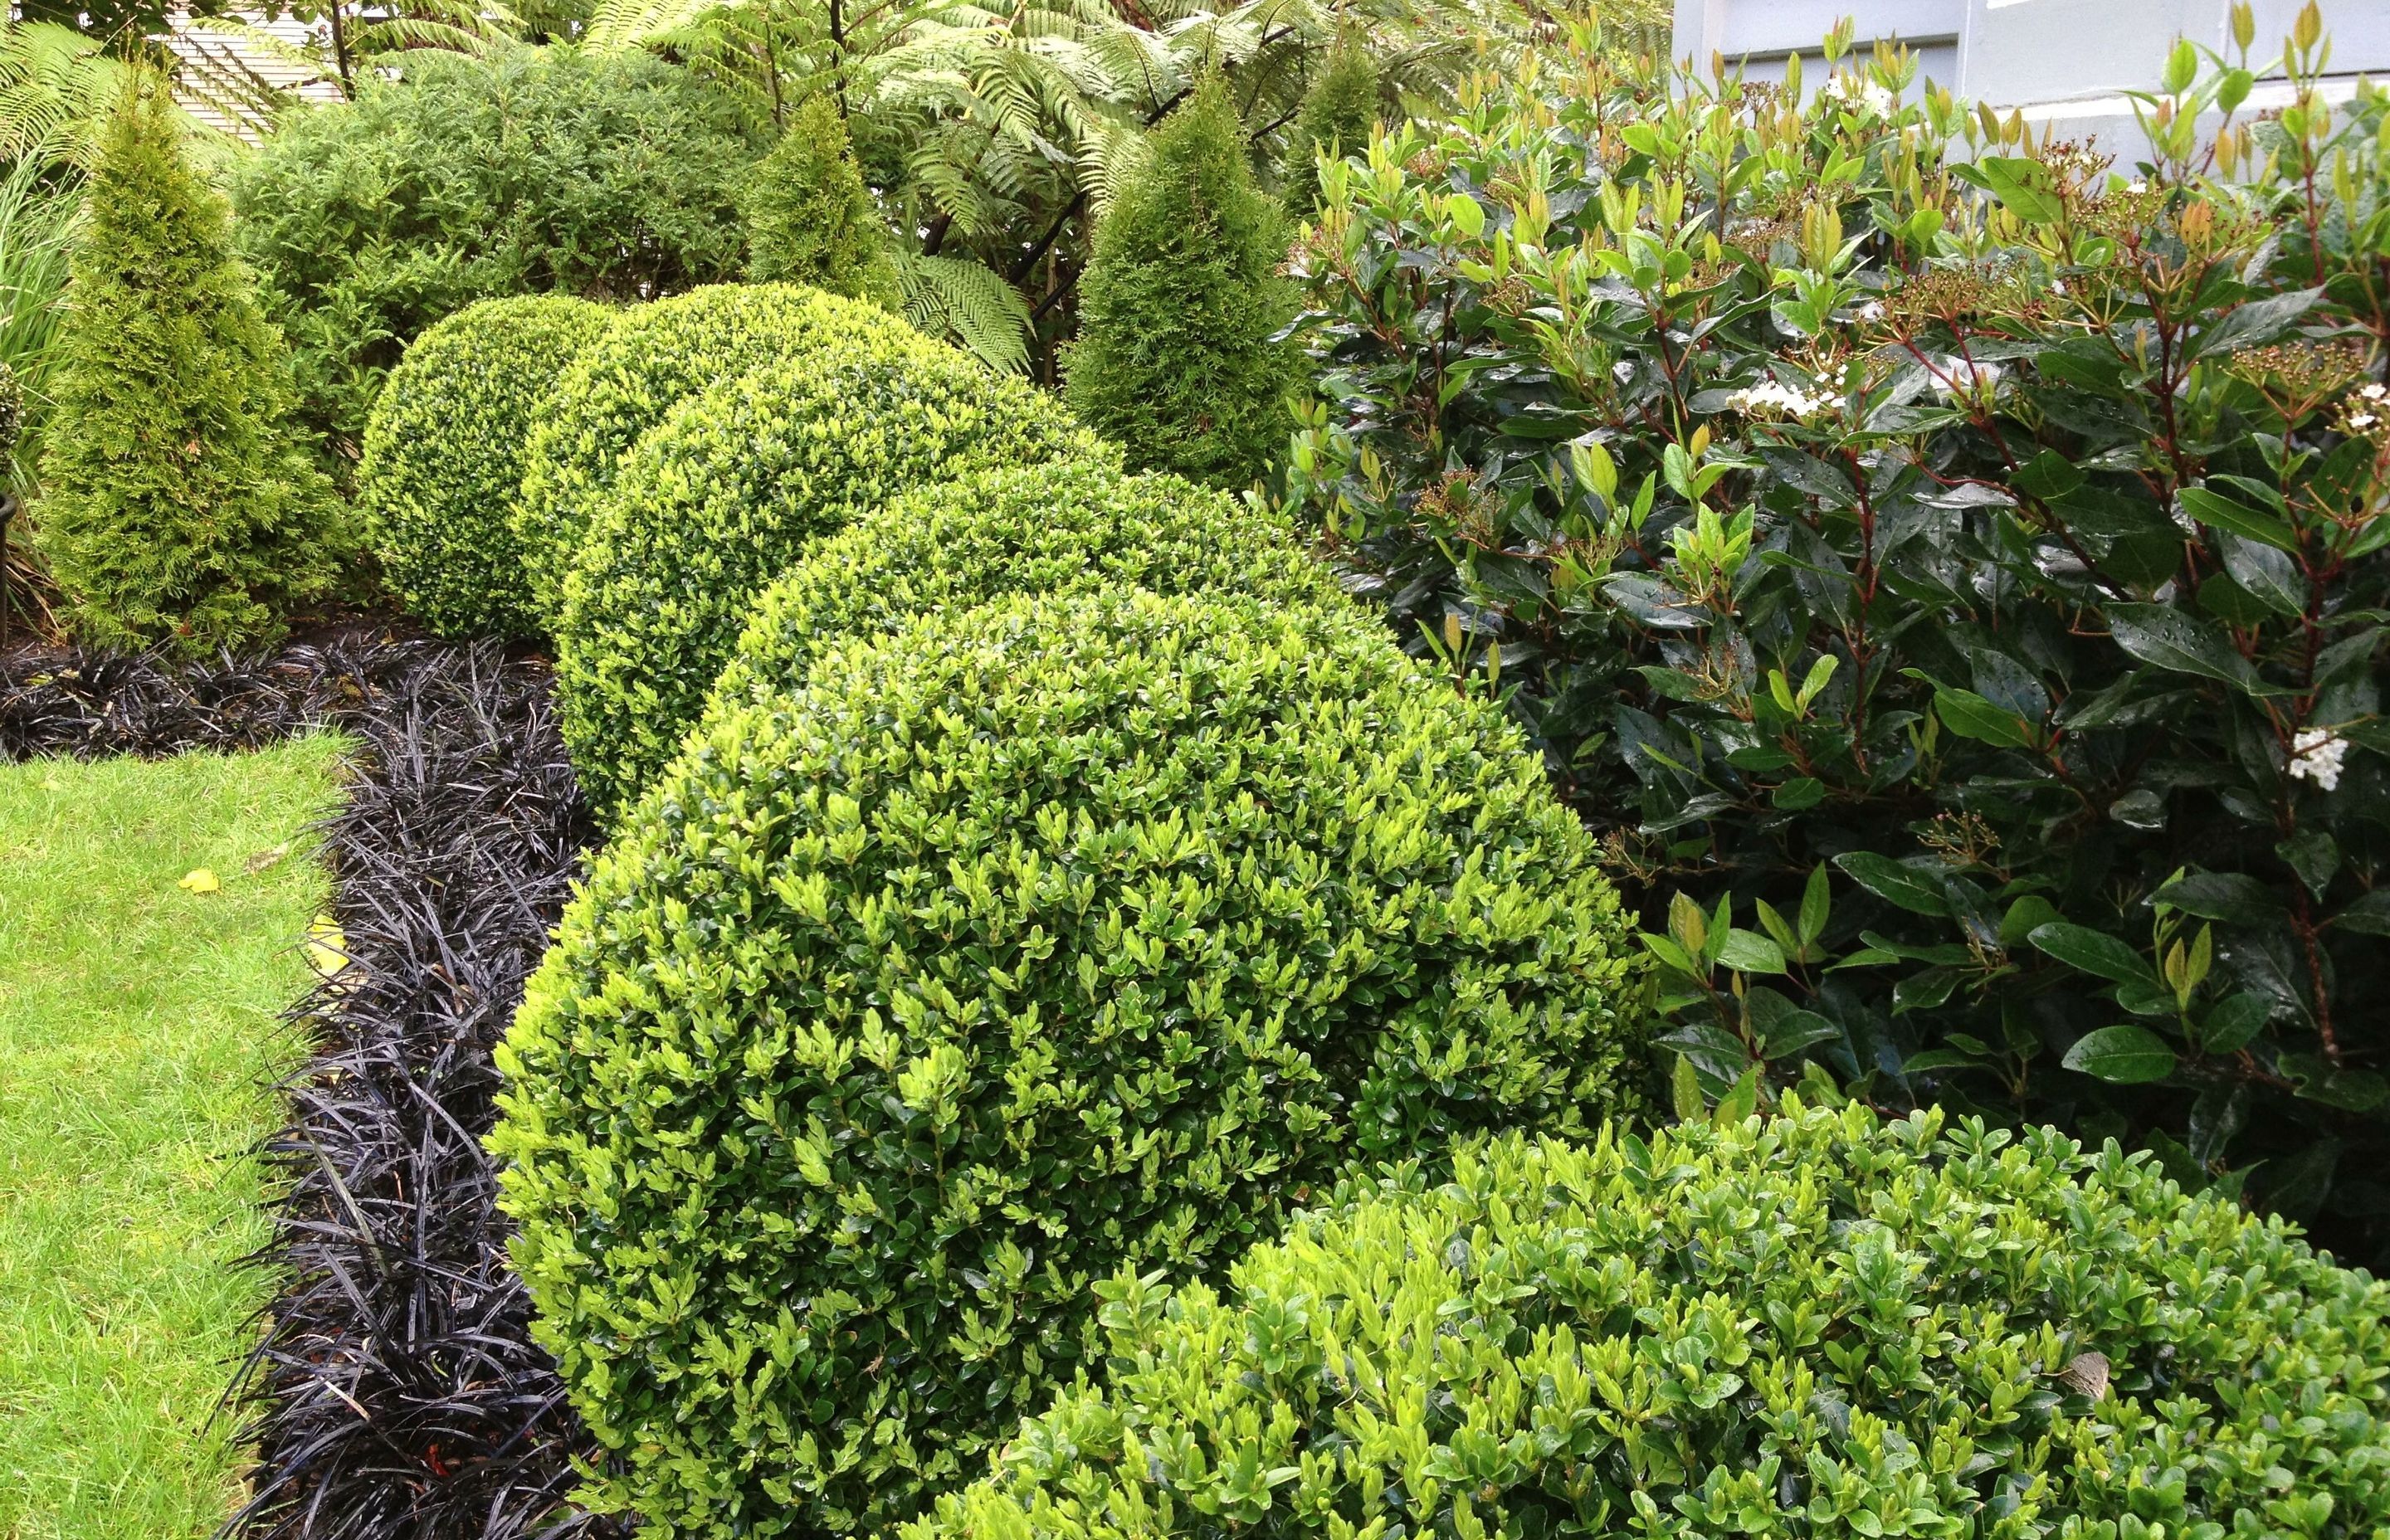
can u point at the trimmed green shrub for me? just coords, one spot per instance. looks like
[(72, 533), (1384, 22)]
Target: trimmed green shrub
[(1177, 358), (1339, 112), (1073, 526), (809, 217), (1820, 1325), (1048, 937), (611, 177), (178, 506), (444, 457), (628, 381), (723, 498)]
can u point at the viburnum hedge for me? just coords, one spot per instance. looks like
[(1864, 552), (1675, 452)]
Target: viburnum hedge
[(654, 357), (444, 454), (1955, 586), (1048, 937), (725, 493), (1076, 525), (1821, 1325)]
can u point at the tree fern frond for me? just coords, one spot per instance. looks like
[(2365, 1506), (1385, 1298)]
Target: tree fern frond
[(967, 303)]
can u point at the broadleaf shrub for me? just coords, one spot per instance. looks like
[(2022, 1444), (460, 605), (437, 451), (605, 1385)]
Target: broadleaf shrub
[(1069, 527), (1048, 937), (443, 458), (611, 177), (723, 494), (179, 507), (1821, 1325), (653, 358), (1955, 587)]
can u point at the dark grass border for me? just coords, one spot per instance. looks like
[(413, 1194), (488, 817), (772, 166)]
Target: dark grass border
[(394, 1393)]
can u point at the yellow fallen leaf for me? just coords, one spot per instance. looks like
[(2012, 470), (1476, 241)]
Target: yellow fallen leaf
[(200, 881), (327, 947)]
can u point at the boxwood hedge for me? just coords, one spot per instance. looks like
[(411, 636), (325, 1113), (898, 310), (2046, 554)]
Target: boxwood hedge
[(1048, 937), (1823, 1325), (1072, 526), (443, 458), (655, 357), (722, 495)]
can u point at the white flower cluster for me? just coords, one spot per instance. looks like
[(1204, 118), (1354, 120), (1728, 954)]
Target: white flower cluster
[(2316, 756), (2375, 404), (1771, 397), (1861, 94)]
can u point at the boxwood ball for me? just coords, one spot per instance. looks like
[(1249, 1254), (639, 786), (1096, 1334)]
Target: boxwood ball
[(1041, 939)]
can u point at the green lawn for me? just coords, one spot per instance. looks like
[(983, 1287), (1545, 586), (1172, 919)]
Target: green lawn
[(137, 1034)]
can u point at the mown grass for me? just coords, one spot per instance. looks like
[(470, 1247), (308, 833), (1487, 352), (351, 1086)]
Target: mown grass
[(137, 1036)]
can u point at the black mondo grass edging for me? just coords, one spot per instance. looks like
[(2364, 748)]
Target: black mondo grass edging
[(394, 1393)]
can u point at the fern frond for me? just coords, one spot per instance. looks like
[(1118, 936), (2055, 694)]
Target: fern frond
[(967, 303)]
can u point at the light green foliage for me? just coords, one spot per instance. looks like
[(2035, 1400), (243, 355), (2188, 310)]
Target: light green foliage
[(1048, 937), (139, 1047), (179, 507), (531, 170), (1822, 1325), (1074, 526), (1340, 110), (628, 381), (37, 214), (724, 496), (444, 457), (809, 217), (1175, 358)]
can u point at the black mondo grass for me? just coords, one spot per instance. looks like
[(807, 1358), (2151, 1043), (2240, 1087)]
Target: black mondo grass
[(394, 1393)]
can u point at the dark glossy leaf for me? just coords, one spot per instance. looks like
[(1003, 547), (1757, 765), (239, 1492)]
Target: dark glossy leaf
[(2368, 915), (2232, 897), (2093, 952), (2234, 1022), (1911, 886), (2125, 1055), (2213, 507), (2170, 639), (1970, 715)]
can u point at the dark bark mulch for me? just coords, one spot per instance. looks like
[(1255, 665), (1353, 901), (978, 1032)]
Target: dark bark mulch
[(395, 1393)]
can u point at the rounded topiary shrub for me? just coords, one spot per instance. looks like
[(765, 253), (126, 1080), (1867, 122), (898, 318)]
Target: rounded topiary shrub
[(443, 458), (1072, 526), (722, 495), (1045, 938), (1820, 1325), (654, 357)]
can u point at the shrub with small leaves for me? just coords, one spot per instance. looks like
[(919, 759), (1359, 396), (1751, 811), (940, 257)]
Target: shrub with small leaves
[(178, 504), (653, 358), (724, 496), (809, 217), (610, 175), (1339, 112), (443, 458), (1073, 526), (1179, 356), (1048, 937), (1821, 1325)]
